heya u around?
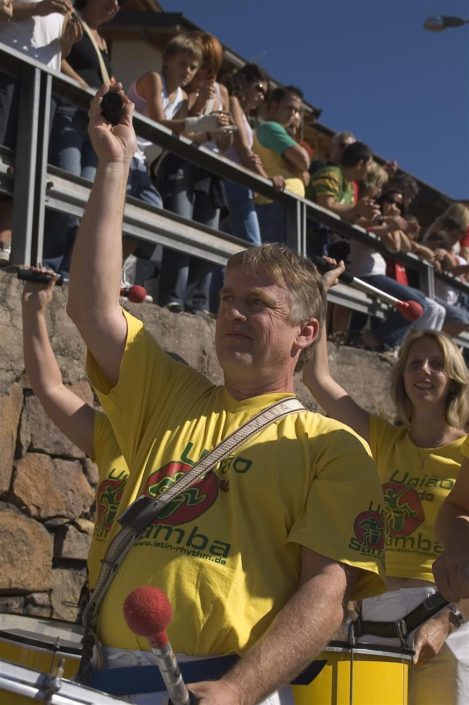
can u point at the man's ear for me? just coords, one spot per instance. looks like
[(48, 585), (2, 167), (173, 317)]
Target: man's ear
[(307, 334)]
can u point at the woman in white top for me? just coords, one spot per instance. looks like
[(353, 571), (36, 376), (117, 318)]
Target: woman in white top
[(193, 192)]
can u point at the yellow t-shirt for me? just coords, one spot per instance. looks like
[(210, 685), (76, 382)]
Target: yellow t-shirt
[(113, 474), (415, 483), (270, 141), (227, 552)]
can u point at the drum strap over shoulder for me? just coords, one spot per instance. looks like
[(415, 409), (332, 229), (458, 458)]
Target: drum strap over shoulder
[(145, 510)]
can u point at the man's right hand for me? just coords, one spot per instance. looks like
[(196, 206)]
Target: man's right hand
[(47, 7), (38, 295), (112, 143), (331, 277)]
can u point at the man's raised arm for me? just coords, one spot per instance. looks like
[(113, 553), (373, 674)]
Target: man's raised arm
[(95, 275)]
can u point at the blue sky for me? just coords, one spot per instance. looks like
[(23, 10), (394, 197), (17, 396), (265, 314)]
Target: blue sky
[(370, 66)]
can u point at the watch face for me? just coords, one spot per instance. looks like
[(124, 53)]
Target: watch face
[(456, 617)]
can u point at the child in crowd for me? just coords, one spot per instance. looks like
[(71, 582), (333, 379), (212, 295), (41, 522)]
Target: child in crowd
[(161, 97), (194, 192)]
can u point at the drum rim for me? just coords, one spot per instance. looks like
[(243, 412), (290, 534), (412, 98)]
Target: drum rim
[(370, 649), (13, 639)]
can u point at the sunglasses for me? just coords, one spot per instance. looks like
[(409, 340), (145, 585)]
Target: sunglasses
[(399, 204)]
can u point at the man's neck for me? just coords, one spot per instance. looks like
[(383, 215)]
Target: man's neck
[(242, 389)]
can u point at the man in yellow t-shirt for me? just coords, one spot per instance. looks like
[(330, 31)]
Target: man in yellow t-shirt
[(260, 556)]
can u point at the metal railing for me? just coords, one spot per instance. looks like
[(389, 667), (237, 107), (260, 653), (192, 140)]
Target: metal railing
[(36, 185)]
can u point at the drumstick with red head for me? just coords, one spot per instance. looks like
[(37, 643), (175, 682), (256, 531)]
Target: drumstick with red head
[(411, 310), (148, 612), (136, 293)]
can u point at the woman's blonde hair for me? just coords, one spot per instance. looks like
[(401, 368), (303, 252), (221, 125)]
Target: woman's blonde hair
[(374, 180), (457, 408), (455, 216)]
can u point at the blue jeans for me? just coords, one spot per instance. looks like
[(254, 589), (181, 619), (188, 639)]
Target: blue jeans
[(454, 312), (184, 279), (392, 330), (70, 150), (141, 186), (243, 221), (272, 221)]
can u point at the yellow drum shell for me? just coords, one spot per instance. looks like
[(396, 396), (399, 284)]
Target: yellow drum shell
[(40, 643), (374, 676)]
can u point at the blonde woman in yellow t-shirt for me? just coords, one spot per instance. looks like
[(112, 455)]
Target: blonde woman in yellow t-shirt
[(417, 462)]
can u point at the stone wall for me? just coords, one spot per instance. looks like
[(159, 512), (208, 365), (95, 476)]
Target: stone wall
[(47, 484)]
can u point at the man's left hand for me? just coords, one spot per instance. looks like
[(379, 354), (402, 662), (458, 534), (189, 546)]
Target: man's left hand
[(430, 638)]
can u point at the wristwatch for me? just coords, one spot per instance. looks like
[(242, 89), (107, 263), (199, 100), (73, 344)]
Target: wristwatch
[(456, 617)]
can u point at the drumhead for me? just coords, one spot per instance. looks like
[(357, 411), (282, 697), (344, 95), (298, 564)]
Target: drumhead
[(41, 633), (29, 685)]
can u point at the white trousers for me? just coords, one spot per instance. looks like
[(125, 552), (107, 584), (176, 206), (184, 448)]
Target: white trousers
[(433, 318), (120, 658), (444, 680)]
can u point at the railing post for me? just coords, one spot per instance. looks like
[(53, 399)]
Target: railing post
[(294, 230), (427, 280), (30, 170)]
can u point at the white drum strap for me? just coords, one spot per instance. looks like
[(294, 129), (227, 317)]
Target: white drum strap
[(145, 509)]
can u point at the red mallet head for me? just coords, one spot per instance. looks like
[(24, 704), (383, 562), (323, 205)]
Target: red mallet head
[(136, 293), (147, 612), (411, 310)]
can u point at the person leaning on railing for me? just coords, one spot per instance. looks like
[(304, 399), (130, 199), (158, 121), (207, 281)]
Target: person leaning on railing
[(193, 192), (70, 149), (247, 89), (39, 30), (370, 265)]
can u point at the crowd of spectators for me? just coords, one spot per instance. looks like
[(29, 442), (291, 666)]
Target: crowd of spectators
[(239, 115)]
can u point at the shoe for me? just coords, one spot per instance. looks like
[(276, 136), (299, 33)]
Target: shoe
[(5, 252), (173, 306), (204, 313), (361, 340)]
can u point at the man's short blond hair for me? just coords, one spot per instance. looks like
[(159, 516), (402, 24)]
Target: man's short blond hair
[(292, 271)]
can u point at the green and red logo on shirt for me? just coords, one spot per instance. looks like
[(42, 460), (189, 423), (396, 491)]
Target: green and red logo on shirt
[(404, 512), (189, 504)]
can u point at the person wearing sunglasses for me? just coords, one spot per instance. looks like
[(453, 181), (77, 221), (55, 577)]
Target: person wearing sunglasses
[(247, 90)]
